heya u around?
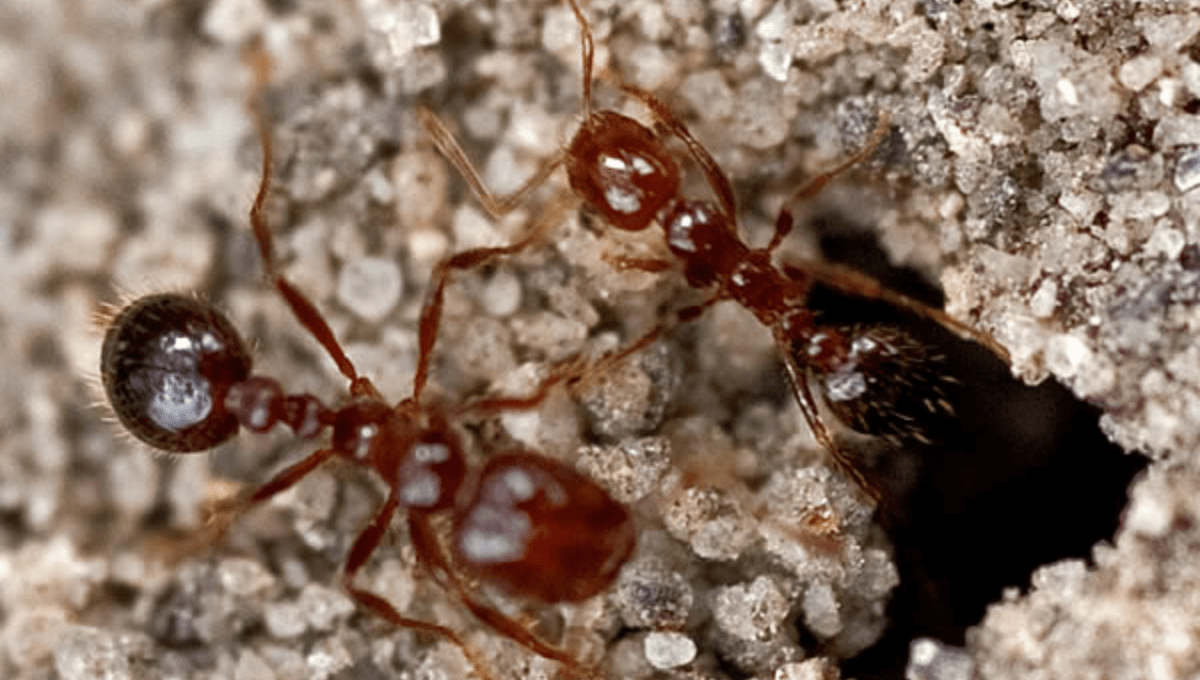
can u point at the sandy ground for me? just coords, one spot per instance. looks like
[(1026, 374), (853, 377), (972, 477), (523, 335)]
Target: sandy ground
[(1044, 168)]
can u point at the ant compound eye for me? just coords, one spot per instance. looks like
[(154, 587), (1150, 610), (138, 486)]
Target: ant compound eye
[(622, 170), (167, 363), (538, 527)]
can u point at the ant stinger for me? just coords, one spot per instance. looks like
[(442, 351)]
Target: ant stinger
[(180, 378), (624, 171)]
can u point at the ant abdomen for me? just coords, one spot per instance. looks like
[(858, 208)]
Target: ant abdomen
[(881, 380), (167, 363), (522, 526)]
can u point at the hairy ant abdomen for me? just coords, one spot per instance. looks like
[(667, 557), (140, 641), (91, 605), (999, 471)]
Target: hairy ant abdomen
[(167, 363), (882, 380)]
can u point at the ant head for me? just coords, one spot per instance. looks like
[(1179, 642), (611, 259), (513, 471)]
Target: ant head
[(167, 363), (522, 529), (622, 170)]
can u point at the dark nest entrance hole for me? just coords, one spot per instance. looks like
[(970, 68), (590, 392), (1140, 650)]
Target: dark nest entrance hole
[(1024, 477)]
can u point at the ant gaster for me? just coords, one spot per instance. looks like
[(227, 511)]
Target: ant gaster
[(624, 171), (179, 378)]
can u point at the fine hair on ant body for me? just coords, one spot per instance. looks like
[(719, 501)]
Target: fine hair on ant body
[(624, 171), (179, 378)]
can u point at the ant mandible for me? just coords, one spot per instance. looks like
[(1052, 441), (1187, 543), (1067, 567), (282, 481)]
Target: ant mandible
[(623, 170), (179, 378)]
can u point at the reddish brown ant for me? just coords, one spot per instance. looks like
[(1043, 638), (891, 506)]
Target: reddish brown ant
[(623, 170), (179, 378)]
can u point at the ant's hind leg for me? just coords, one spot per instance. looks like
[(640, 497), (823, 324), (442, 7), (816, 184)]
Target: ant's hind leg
[(364, 546), (798, 378), (430, 553), (852, 282)]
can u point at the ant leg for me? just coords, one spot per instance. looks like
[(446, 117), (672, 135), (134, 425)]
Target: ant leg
[(228, 510), (850, 281), (808, 406), (577, 371), (303, 308), (366, 543), (431, 310), (784, 222), (587, 48), (429, 552), (652, 265), (286, 479), (573, 371), (568, 371), (444, 140), (606, 362), (496, 206)]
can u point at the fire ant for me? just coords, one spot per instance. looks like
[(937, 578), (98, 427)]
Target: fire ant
[(624, 171), (179, 378)]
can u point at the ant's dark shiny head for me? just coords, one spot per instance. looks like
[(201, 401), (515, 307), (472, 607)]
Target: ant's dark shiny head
[(167, 363)]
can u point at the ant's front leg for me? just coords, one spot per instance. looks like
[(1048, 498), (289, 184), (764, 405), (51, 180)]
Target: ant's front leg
[(431, 311), (224, 511), (495, 205)]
